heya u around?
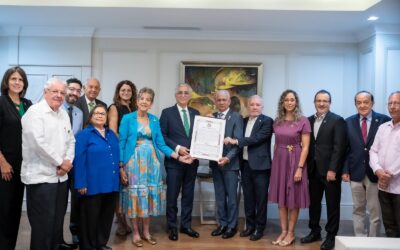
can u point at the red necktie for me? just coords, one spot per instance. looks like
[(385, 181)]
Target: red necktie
[(364, 129)]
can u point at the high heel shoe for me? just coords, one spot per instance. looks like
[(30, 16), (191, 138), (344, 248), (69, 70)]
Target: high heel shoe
[(137, 243), (285, 242), (150, 240), (280, 238)]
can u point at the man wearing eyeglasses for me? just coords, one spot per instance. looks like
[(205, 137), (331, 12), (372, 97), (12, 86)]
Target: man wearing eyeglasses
[(177, 125), (74, 87), (48, 146), (385, 162)]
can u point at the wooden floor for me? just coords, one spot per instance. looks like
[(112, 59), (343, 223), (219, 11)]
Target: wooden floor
[(206, 241)]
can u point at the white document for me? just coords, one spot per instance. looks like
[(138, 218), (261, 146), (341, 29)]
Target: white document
[(207, 138)]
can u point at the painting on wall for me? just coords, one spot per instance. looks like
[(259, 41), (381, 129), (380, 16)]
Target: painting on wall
[(241, 80)]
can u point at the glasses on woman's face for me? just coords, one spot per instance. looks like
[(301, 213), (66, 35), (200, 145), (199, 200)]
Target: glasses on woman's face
[(100, 113)]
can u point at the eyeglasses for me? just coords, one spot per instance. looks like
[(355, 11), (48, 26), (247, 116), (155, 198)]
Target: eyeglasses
[(395, 104), (74, 90), (100, 113), (57, 92), (183, 92)]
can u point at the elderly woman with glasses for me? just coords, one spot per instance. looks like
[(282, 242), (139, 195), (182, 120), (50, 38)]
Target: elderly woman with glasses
[(96, 179)]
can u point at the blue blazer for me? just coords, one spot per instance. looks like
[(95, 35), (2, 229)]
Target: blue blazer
[(96, 161), (174, 133), (357, 155), (258, 143), (128, 137)]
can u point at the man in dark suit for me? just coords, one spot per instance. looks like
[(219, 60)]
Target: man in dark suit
[(325, 163), (256, 167), (88, 101), (176, 125), (225, 172), (361, 130)]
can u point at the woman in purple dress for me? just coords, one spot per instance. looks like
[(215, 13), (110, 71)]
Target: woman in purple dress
[(289, 181)]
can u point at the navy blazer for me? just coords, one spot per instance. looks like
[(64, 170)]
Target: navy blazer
[(174, 133), (81, 103), (259, 143), (327, 151), (357, 155), (233, 129)]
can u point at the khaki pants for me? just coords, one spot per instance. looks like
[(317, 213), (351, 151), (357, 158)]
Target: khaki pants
[(365, 199)]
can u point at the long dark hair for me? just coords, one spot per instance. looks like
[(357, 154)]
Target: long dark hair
[(6, 78), (117, 98), (280, 114)]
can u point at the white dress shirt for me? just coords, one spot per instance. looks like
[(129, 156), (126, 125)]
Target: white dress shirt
[(318, 123), (247, 133), (47, 140)]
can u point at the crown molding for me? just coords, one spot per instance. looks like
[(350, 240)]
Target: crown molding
[(56, 31), (379, 29)]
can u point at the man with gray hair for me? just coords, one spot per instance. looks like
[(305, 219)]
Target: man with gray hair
[(385, 162), (255, 167), (225, 171), (177, 125), (48, 151)]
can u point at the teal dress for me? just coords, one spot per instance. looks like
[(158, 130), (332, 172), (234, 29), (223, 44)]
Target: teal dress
[(144, 196)]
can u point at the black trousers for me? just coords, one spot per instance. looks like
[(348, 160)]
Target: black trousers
[(255, 185), (74, 217), (11, 196), (390, 206), (96, 217), (46, 206), (180, 179), (317, 186)]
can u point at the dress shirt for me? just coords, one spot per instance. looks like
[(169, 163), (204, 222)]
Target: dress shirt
[(384, 154), (77, 117), (368, 120), (247, 133), (223, 113), (47, 140), (89, 101), (181, 115), (317, 123)]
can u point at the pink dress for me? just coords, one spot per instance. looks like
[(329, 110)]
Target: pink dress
[(283, 189)]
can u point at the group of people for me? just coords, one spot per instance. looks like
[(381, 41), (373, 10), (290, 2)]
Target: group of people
[(109, 158)]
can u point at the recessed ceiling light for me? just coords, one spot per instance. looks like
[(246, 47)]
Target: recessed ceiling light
[(373, 18)]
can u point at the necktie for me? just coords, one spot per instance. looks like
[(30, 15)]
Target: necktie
[(70, 113), (186, 122), (364, 129), (220, 115), (91, 106)]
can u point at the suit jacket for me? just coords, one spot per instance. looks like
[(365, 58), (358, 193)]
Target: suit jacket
[(327, 151), (11, 130), (174, 133), (233, 129), (128, 136), (259, 143), (77, 118), (81, 103), (357, 155)]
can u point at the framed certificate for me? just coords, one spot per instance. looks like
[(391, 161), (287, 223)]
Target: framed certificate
[(207, 138)]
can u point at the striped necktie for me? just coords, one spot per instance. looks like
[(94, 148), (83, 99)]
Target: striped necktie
[(186, 122)]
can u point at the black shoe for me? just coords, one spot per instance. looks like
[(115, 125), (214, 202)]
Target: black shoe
[(258, 234), (75, 239), (328, 244), (189, 231), (229, 233), (247, 232), (173, 234), (311, 237), (220, 230), (65, 246)]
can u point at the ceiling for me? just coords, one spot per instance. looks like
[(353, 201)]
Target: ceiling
[(322, 20)]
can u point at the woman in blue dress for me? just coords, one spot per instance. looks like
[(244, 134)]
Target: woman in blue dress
[(140, 142)]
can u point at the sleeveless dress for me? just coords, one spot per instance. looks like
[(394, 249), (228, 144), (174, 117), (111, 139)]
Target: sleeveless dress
[(145, 194), (283, 189)]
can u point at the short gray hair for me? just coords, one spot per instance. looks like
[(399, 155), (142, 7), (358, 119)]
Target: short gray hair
[(255, 96), (223, 92), (394, 93), (51, 81), (183, 85)]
